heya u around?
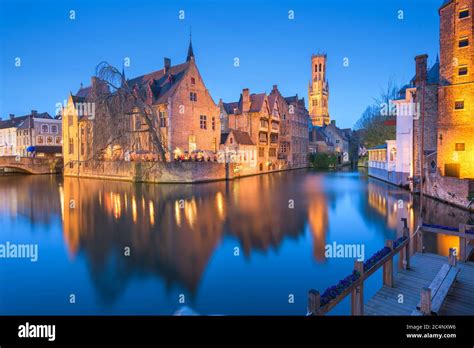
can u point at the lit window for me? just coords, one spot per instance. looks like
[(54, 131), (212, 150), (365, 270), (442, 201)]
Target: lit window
[(462, 71), (40, 140), (464, 13), (49, 140), (459, 104), (463, 42), (58, 140), (459, 147)]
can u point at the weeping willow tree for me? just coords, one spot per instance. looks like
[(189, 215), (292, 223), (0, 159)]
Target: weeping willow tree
[(118, 107)]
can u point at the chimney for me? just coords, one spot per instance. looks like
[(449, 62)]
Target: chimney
[(34, 112), (421, 68), (12, 116), (275, 87), (167, 64), (245, 100)]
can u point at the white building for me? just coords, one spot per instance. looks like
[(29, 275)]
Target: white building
[(36, 130), (407, 111), (39, 135), (8, 145), (393, 161)]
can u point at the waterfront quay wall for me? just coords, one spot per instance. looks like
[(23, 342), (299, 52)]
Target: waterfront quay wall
[(169, 172), (392, 177), (157, 172)]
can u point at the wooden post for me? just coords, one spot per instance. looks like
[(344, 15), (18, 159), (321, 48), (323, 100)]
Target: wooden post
[(419, 241), (426, 301), (452, 257), (462, 244), (406, 264), (404, 258), (314, 302), (388, 268), (357, 295)]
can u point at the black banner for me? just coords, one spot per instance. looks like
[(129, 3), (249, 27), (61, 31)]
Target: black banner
[(329, 330)]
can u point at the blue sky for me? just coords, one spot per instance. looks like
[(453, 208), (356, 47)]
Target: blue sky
[(58, 53)]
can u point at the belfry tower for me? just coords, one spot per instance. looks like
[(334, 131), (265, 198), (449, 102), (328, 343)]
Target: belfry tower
[(318, 91)]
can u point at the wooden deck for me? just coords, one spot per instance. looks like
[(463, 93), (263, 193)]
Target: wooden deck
[(423, 269)]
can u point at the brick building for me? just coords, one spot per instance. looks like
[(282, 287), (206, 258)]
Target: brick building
[(294, 130), (187, 116), (456, 91), (259, 116)]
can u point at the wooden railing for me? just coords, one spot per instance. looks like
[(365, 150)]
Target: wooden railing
[(320, 304)]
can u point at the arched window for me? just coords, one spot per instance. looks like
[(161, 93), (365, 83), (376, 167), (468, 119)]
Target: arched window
[(320, 67), (316, 68)]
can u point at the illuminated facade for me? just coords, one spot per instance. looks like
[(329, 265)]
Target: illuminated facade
[(318, 91), (258, 115), (187, 116)]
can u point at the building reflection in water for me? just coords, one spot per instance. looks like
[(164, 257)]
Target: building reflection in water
[(27, 196), (390, 204), (173, 230)]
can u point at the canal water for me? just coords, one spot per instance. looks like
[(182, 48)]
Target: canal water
[(253, 246)]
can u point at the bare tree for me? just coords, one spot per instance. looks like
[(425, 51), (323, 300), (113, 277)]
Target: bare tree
[(374, 122), (117, 104)]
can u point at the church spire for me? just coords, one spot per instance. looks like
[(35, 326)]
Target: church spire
[(190, 48)]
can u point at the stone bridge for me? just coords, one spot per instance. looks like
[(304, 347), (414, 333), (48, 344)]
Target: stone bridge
[(37, 165)]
